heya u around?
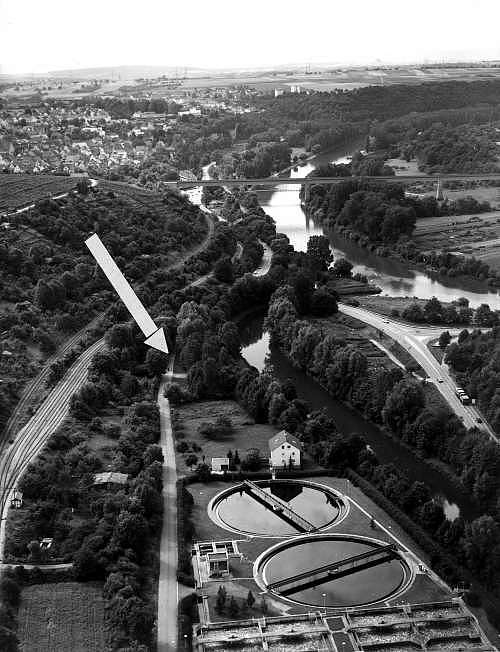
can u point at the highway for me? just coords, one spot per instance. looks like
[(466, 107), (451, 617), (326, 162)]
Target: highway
[(415, 339)]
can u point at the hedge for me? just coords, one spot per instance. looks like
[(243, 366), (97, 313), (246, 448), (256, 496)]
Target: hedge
[(185, 532), (440, 562)]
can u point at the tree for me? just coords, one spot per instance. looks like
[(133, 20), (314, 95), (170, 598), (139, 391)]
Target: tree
[(234, 608), (319, 253), (433, 311), (444, 339), (431, 515), (10, 591), (342, 268), (191, 459), (156, 362), (223, 270), (323, 302), (481, 537), (252, 460), (413, 313), (403, 404), (221, 599), (8, 640)]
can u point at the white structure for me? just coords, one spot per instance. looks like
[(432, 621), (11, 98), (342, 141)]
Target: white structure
[(220, 465), (285, 451)]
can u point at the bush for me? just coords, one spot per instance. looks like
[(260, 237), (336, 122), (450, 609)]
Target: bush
[(472, 599), (222, 427)]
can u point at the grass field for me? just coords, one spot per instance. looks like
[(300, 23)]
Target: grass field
[(63, 617), (18, 190), (477, 235), (247, 434)]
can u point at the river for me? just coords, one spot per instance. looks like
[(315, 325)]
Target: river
[(395, 279), (259, 352)]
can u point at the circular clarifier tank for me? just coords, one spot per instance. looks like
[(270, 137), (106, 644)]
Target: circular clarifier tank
[(292, 570), (277, 508)]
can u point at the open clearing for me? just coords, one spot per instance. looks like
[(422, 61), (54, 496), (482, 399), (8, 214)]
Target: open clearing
[(62, 617), (246, 433), (19, 190), (477, 235)]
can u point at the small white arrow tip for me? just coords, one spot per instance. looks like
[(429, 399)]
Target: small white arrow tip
[(157, 341)]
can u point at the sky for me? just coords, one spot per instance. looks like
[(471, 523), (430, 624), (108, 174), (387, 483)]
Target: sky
[(41, 35)]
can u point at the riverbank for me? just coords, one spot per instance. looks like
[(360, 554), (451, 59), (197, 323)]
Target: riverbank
[(384, 251)]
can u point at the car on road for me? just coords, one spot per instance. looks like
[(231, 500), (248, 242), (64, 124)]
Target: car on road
[(440, 380), (479, 420)]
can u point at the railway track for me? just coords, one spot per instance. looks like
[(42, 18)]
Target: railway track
[(32, 437), (35, 434), (39, 381)]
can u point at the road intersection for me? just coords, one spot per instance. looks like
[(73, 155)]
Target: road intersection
[(415, 338)]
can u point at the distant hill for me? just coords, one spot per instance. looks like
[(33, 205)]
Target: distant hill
[(122, 72)]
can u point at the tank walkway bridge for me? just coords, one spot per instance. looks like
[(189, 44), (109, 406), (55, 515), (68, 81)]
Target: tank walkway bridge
[(334, 570), (278, 506), (311, 181)]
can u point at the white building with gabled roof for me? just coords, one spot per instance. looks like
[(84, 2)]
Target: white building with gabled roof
[(285, 451)]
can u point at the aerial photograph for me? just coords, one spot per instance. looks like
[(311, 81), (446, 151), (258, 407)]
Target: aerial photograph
[(249, 326)]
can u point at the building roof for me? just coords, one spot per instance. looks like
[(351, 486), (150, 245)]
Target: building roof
[(220, 460), (110, 476), (284, 437)]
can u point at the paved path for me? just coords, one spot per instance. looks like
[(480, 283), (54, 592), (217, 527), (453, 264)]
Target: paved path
[(168, 591), (30, 440), (265, 264), (415, 339)]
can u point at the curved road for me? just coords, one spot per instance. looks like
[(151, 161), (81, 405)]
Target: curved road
[(415, 339)]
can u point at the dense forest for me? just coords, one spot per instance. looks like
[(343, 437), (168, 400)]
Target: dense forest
[(48, 282), (382, 218)]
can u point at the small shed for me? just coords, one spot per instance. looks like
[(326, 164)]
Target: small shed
[(285, 451), (110, 479), (218, 563), (220, 465)]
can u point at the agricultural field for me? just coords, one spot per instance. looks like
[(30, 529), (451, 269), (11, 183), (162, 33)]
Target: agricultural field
[(404, 168), (20, 190), (61, 617), (477, 235)]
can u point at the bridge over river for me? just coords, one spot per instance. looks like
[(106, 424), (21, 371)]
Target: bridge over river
[(309, 181)]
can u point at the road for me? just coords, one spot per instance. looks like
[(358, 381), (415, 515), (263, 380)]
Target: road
[(265, 264), (30, 440), (415, 339), (168, 591)]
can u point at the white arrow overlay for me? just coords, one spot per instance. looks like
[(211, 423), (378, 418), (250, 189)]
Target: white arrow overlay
[(155, 337)]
